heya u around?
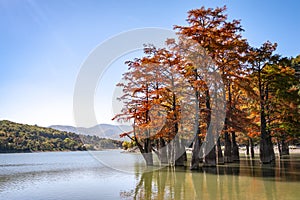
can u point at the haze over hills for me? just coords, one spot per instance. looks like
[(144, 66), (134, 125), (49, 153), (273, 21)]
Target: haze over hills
[(100, 130)]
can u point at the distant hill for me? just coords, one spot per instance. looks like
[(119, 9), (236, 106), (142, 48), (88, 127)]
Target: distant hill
[(100, 130), (71, 129), (16, 137)]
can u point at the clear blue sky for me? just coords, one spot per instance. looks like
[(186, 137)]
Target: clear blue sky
[(44, 42)]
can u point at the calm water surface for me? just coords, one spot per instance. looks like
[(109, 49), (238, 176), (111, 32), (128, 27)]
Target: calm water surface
[(115, 175)]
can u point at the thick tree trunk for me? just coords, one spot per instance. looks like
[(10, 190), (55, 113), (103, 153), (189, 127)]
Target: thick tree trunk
[(284, 148), (210, 158), (148, 152), (271, 148), (171, 159), (196, 151), (197, 140), (266, 152), (235, 148), (148, 159), (180, 153), (220, 153), (227, 150), (162, 151)]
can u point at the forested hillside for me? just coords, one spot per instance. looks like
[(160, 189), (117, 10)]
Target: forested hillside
[(15, 137)]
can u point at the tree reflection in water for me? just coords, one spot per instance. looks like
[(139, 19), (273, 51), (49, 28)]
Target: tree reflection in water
[(244, 180)]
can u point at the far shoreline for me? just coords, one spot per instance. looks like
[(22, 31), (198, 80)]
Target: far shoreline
[(133, 151), (28, 152)]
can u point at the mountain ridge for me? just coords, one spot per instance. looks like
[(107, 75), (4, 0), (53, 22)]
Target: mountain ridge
[(101, 130)]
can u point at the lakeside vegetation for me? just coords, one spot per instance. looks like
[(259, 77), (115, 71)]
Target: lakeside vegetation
[(261, 91), (15, 137)]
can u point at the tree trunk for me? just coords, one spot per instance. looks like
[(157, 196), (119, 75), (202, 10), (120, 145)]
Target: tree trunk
[(148, 159), (148, 152), (247, 148), (180, 153), (171, 153), (228, 145), (266, 152), (145, 150), (196, 151), (251, 148), (179, 148), (210, 158), (220, 153), (235, 148), (227, 150), (279, 147), (162, 151), (284, 148), (197, 140)]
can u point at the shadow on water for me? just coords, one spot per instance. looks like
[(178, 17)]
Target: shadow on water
[(247, 179)]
